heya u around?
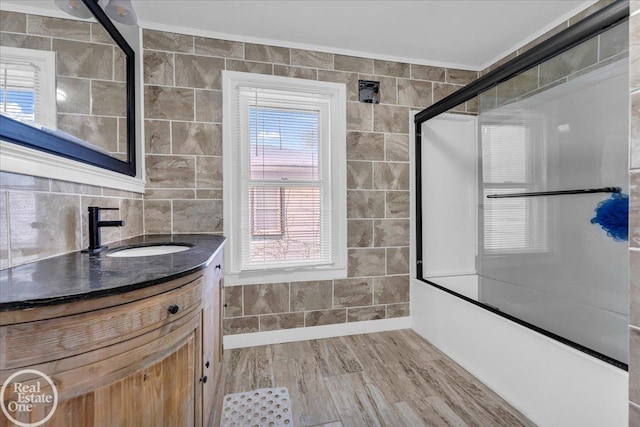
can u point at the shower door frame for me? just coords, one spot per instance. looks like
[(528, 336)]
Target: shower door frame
[(599, 22)]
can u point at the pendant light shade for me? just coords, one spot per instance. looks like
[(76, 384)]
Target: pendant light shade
[(74, 7), (121, 11)]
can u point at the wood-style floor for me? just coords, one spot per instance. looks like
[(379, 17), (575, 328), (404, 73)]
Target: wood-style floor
[(391, 378)]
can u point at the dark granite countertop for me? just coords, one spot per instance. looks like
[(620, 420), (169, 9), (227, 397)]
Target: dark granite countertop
[(78, 276)]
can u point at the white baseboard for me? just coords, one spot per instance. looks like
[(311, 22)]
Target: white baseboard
[(315, 332)]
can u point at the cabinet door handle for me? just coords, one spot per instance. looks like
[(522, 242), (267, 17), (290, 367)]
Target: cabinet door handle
[(206, 365), (173, 309), (218, 267), (203, 379)]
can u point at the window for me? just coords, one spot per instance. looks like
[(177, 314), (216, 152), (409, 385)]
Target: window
[(27, 85), (284, 178), (512, 163)]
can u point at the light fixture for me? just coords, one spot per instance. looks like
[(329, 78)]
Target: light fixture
[(118, 10), (75, 8), (121, 11)]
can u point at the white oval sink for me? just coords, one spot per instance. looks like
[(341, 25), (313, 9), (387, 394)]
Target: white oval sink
[(148, 251)]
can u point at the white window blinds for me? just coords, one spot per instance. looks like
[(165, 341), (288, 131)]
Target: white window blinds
[(509, 165), (27, 85), (285, 173)]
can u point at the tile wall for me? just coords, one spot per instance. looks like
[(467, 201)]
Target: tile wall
[(40, 217), (90, 73), (634, 219), (183, 126)]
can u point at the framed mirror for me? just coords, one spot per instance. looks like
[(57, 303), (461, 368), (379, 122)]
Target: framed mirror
[(77, 100)]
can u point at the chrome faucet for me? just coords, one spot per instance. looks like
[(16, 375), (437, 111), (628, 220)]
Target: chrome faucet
[(94, 228)]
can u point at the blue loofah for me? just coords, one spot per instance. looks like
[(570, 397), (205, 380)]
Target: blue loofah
[(613, 216)]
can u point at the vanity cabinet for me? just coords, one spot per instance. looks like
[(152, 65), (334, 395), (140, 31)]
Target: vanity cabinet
[(149, 357)]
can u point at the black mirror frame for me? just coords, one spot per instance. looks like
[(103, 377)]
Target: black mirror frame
[(19, 133)]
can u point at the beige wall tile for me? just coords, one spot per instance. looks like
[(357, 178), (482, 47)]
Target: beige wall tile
[(397, 205), (359, 175), (77, 97), (25, 41), (196, 138), (23, 182), (168, 103), (157, 137), (414, 93), (359, 116), (233, 301), (214, 47), (263, 53), (297, 72), (208, 194), (396, 147), (390, 118), (397, 260), (309, 58), (170, 171), (398, 310), (312, 295), (109, 98), (390, 68), (366, 313), (349, 79), (442, 90), (274, 322), (42, 225), (365, 204), (391, 232), (208, 172), (13, 22), (160, 40), (391, 176), (325, 317), (209, 106), (198, 71), (99, 131), (75, 188), (517, 86), (366, 262), (353, 63), (157, 216), (250, 67), (80, 59), (390, 289), (158, 68), (460, 77), (359, 233), (240, 325), (169, 193), (56, 27), (365, 146), (614, 41), (132, 213), (352, 292), (426, 72), (573, 60), (100, 35), (266, 298), (197, 216)]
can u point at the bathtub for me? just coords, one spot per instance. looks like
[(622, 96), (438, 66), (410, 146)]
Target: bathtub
[(551, 383)]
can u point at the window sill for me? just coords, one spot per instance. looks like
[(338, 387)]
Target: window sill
[(283, 275)]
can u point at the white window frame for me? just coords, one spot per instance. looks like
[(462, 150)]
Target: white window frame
[(335, 95)]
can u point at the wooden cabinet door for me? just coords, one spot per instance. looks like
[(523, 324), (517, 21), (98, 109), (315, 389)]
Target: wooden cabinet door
[(163, 392), (211, 341)]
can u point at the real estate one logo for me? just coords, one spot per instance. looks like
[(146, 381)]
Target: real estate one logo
[(28, 392)]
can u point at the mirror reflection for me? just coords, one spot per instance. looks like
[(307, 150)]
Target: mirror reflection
[(65, 77)]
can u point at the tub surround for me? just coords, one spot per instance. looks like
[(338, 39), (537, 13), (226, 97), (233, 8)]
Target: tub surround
[(79, 276)]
